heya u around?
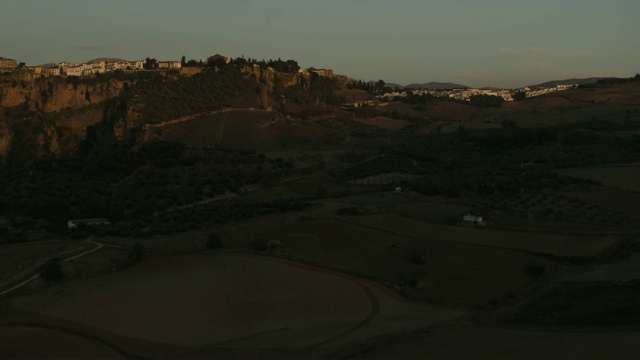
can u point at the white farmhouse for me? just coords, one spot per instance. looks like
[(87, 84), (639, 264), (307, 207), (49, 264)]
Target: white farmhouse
[(474, 219)]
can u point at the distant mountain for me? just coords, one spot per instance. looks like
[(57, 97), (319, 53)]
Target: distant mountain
[(436, 86), (553, 83), (106, 59), (47, 65), (394, 86)]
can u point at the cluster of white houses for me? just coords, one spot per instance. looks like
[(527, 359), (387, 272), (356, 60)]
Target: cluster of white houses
[(467, 93), (94, 67), (102, 66)]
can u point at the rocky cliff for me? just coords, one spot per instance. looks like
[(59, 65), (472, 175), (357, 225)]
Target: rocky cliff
[(56, 93)]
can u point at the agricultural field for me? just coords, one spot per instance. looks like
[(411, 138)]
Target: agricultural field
[(226, 300), (504, 343), (559, 207), (384, 122), (542, 243), (415, 262), (383, 179), (624, 177), (355, 127), (18, 342), (612, 198)]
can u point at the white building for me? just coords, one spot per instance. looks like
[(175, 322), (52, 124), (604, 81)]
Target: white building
[(74, 70), (169, 64), (72, 224), (474, 219)]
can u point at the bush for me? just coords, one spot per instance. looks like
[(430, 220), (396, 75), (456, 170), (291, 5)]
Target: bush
[(534, 270), (137, 253), (266, 245), (418, 259), (51, 270)]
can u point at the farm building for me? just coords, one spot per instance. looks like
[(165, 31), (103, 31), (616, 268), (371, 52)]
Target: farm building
[(474, 219), (89, 222)]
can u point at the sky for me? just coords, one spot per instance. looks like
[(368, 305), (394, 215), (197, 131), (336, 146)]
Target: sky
[(503, 43)]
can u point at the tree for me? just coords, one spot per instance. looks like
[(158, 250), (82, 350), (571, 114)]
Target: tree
[(137, 252), (216, 61), (150, 64), (519, 95), (214, 241), (183, 61)]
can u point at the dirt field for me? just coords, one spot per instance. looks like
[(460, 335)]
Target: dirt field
[(226, 300), (493, 343), (28, 342), (623, 177)]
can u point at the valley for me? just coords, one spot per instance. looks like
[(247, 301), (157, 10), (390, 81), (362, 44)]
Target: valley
[(260, 214)]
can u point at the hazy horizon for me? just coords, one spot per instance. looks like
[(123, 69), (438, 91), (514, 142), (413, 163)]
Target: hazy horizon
[(493, 43)]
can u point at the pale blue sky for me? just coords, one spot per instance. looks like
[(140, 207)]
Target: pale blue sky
[(507, 43)]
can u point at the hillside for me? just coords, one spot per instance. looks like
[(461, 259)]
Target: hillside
[(553, 83), (38, 112)]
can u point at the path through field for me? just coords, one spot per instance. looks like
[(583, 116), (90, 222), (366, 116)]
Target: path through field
[(37, 275)]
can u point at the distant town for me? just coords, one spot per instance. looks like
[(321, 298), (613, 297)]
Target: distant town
[(467, 93), (104, 66)]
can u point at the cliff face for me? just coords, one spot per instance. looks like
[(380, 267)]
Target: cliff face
[(6, 136), (55, 93), (269, 77)]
